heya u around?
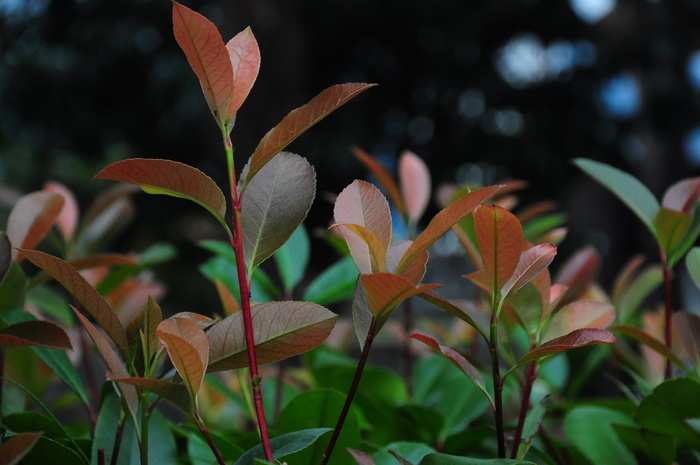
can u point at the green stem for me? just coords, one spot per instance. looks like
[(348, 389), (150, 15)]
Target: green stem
[(524, 406), (351, 393), (497, 387), (668, 314), (205, 432)]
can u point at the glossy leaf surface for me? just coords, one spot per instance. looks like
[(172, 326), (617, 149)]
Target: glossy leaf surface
[(188, 349), (244, 54), (590, 429), (573, 340), (31, 218), (275, 204), (416, 187), (35, 333), (157, 176)]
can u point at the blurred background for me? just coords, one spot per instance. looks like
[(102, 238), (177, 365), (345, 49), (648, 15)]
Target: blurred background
[(482, 90)]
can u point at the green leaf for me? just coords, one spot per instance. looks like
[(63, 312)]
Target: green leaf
[(24, 422), (626, 187), (411, 452), (591, 430), (444, 459), (30, 220), (47, 450), (633, 295), (298, 121), (108, 422), (693, 265), (5, 255), (17, 446), (335, 283), (280, 330), (671, 230), (13, 287), (292, 258), (501, 243), (658, 447), (284, 445), (320, 409), (274, 205), (157, 176)]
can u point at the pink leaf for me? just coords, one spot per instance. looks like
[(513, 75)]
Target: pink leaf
[(31, 218), (501, 242), (208, 58), (171, 178), (188, 349), (175, 393), (415, 185), (67, 220), (443, 221), (532, 262), (385, 291), (578, 315), (245, 60), (35, 333), (299, 120), (383, 177), (682, 196), (17, 446), (415, 271), (368, 253), (280, 330), (573, 340), (84, 293)]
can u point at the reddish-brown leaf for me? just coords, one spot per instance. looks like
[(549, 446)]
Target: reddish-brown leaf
[(367, 251), (175, 393), (577, 274), (383, 177), (280, 330), (501, 242), (650, 341), (443, 221), (31, 218), (361, 458), (67, 220), (17, 446), (414, 177), (682, 195), (207, 56), (299, 120), (578, 315), (35, 333), (188, 349), (84, 293), (156, 176), (532, 262), (385, 291), (245, 60), (228, 300), (578, 338), (415, 271)]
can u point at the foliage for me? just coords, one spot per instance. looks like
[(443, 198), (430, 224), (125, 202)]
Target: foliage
[(508, 371)]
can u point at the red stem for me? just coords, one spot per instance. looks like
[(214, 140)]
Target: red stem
[(524, 407), (205, 432), (668, 313)]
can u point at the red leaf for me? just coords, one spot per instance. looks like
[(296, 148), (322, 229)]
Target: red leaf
[(651, 342), (175, 393), (443, 221), (188, 349), (299, 120), (383, 176), (245, 60), (17, 446), (35, 333), (67, 220), (414, 177), (682, 196), (280, 330), (84, 293), (578, 315), (171, 178), (532, 262), (385, 291), (578, 338), (208, 58), (31, 218), (501, 242)]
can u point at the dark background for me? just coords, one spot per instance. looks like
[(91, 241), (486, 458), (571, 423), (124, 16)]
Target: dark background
[(482, 90)]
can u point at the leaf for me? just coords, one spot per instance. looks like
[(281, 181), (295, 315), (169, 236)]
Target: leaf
[(443, 221), (383, 177), (280, 330), (5, 255), (175, 393), (579, 315), (208, 57), (244, 54), (682, 196), (686, 327), (35, 333), (299, 120), (13, 287), (532, 262), (385, 291), (415, 271), (17, 447), (457, 360), (363, 204), (368, 253), (659, 448), (444, 304), (590, 429), (188, 349), (275, 204), (156, 176), (573, 340), (67, 220), (361, 458), (444, 459), (631, 298), (284, 445), (692, 262), (108, 214), (626, 187), (293, 258), (335, 283), (671, 229), (31, 218), (142, 330), (84, 293), (228, 300), (93, 261), (651, 342), (577, 274), (414, 177)]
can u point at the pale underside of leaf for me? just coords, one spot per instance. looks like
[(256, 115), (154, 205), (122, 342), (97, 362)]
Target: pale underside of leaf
[(415, 271), (362, 316), (682, 196), (275, 204), (280, 330), (157, 176), (366, 249), (414, 177), (31, 218), (188, 349), (363, 204), (578, 315), (244, 54), (532, 262)]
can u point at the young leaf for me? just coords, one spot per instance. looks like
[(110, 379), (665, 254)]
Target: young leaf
[(17, 446), (626, 187), (363, 204), (208, 58), (442, 222), (156, 176), (175, 393), (280, 330), (414, 177), (383, 177), (275, 204), (671, 229), (578, 315), (532, 262), (298, 121), (651, 342), (501, 242), (228, 300), (67, 220), (682, 196), (188, 348), (367, 251), (84, 293), (31, 218), (245, 60), (35, 333), (578, 338), (143, 329), (385, 291)]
